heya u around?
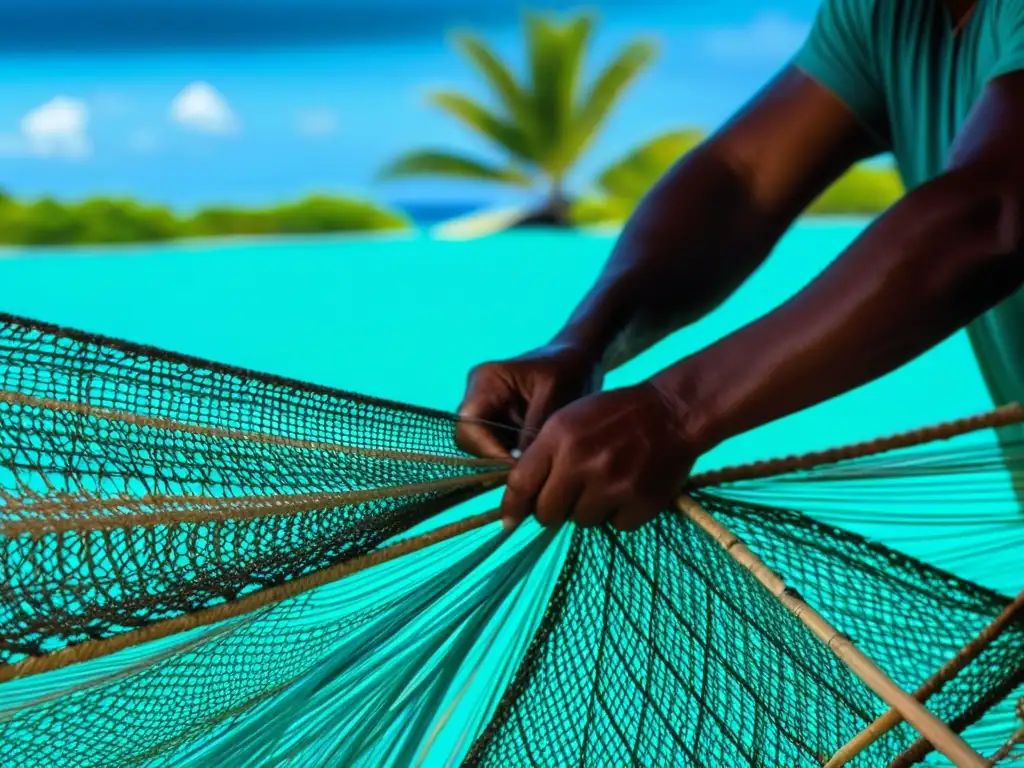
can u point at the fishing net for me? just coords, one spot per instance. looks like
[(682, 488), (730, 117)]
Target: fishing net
[(660, 650), (202, 565)]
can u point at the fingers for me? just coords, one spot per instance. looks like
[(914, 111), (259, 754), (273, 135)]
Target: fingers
[(633, 517), (524, 484), (486, 399), (558, 497), (478, 439), (594, 507)]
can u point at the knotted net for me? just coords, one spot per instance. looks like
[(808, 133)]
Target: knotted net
[(202, 564)]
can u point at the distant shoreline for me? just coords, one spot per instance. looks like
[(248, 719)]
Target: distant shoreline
[(418, 231), (211, 241)]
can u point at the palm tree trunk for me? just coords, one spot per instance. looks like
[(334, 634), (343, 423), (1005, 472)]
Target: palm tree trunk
[(554, 212)]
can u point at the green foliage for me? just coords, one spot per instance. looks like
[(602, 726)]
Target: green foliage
[(542, 123), (621, 185), (863, 190), (110, 220)]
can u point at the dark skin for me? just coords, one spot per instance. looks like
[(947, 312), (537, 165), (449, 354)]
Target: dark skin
[(947, 252)]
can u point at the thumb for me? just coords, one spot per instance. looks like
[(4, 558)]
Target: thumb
[(477, 438)]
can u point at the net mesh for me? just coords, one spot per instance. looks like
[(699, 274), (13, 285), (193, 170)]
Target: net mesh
[(659, 649), (172, 532)]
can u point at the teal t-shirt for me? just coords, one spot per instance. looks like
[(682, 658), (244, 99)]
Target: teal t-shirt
[(911, 76), (907, 73)]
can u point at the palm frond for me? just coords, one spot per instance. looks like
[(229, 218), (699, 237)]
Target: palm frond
[(556, 58), (599, 210), (623, 184), (478, 118), (498, 76), (440, 163), (606, 91), (634, 174)]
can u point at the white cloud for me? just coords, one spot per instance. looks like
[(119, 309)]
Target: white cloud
[(201, 107), (767, 36), (317, 122), (54, 129)]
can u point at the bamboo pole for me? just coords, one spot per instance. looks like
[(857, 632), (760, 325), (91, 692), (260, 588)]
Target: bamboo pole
[(938, 733), (933, 684)]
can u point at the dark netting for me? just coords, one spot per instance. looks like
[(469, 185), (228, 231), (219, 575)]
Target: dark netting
[(344, 653), (658, 649), (139, 486)]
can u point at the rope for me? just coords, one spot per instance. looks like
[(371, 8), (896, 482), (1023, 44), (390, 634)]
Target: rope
[(18, 399), (760, 470)]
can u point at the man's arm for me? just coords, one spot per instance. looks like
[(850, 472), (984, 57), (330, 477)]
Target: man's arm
[(943, 255), (709, 223), (692, 241)]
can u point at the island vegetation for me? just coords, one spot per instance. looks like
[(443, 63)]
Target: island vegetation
[(543, 123), (47, 221), (864, 190)]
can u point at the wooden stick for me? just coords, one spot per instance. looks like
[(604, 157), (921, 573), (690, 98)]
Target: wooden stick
[(919, 750), (932, 685), (1017, 738), (938, 733), (1008, 747)]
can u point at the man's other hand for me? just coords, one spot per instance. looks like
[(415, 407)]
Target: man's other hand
[(521, 394)]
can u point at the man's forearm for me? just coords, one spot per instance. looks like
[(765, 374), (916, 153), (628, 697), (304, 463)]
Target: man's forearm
[(945, 254), (693, 240)]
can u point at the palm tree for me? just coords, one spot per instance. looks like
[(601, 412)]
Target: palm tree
[(542, 125), (620, 186)]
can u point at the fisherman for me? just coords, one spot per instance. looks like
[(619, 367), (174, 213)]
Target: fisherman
[(939, 83)]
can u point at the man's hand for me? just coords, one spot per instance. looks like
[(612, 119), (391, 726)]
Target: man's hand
[(618, 457), (522, 393), (702, 230)]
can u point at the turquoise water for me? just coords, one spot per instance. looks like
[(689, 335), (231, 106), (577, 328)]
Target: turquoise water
[(405, 318)]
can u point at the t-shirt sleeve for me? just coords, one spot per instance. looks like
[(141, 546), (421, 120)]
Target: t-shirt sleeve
[(1011, 47), (840, 55)]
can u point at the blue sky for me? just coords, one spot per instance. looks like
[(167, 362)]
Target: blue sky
[(200, 101)]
